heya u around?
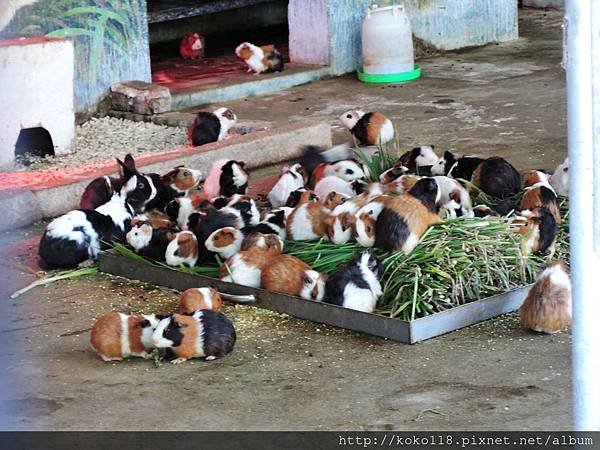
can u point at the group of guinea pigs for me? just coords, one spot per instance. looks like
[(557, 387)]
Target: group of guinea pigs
[(324, 195)]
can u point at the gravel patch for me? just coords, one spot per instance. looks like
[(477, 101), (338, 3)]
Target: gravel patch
[(106, 138)]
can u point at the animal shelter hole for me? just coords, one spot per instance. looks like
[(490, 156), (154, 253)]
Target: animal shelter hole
[(34, 142)]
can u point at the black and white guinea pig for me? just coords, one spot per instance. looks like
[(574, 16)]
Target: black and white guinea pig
[(150, 242), (356, 285), (371, 128), (456, 167), (292, 178), (496, 177), (203, 334), (182, 250), (225, 242), (560, 179), (547, 307), (273, 222), (405, 218), (453, 197), (300, 196), (226, 178), (80, 234), (245, 208), (211, 126), (333, 183), (261, 59), (116, 336), (180, 210)]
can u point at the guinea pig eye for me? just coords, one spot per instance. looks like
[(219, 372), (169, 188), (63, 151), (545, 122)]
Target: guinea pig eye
[(566, 169), (368, 229), (348, 116), (140, 185), (186, 174), (344, 227), (216, 238), (349, 171)]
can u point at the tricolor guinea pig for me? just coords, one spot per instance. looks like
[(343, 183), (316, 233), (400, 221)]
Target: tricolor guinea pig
[(211, 126), (213, 220), (459, 167), (196, 299), (289, 275), (403, 184), (371, 128), (181, 180), (337, 161), (547, 307), (260, 59), (292, 178), (245, 267), (225, 242), (155, 218), (560, 179), (300, 196), (150, 242), (226, 178), (404, 219), (116, 336), (496, 177), (182, 250), (307, 222), (539, 230), (192, 46), (417, 161), (356, 285), (366, 221), (204, 334), (341, 227), (538, 192)]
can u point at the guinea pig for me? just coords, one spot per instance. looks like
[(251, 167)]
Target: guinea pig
[(211, 126), (403, 184), (366, 221), (547, 307), (260, 59), (116, 336), (538, 193), (212, 221), (404, 219), (292, 178), (340, 228), (333, 200), (289, 275), (484, 211), (496, 177), (371, 128), (300, 196), (181, 180), (196, 299), (225, 242), (560, 179), (204, 334), (273, 222), (182, 250), (245, 209), (347, 170), (540, 230), (356, 285), (149, 242), (307, 222), (180, 209), (245, 267), (192, 46), (456, 167), (417, 161), (155, 218), (453, 197), (226, 178), (332, 183)]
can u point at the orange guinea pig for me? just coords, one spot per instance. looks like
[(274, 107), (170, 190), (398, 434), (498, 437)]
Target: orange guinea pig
[(192, 46), (196, 299)]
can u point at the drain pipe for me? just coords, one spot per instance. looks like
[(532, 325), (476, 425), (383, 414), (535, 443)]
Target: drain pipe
[(583, 112)]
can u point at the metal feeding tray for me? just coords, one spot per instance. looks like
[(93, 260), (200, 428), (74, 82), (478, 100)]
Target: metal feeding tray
[(408, 332)]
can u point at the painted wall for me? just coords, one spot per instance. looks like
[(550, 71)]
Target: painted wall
[(443, 24), (110, 39)]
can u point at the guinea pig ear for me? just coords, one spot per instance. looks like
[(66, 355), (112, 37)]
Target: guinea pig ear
[(448, 155)]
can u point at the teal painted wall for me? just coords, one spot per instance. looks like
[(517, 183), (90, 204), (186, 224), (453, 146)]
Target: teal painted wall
[(110, 39)]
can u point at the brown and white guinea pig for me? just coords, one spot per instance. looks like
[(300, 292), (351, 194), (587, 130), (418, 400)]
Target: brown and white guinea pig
[(356, 285), (366, 220), (182, 180), (260, 59), (496, 177), (150, 242), (547, 307), (333, 183), (292, 177), (273, 222), (455, 166), (560, 179), (341, 227), (196, 299), (287, 274), (333, 200), (307, 222), (203, 334), (300, 196), (211, 126), (226, 177), (417, 161), (245, 267), (405, 218), (371, 128), (116, 336), (182, 250), (192, 46), (225, 242)]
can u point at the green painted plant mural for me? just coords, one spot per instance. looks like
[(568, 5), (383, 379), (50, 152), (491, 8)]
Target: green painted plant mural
[(110, 37)]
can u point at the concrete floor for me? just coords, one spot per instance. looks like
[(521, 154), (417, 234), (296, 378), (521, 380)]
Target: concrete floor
[(288, 374)]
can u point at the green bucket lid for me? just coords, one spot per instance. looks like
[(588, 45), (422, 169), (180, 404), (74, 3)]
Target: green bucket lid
[(390, 77)]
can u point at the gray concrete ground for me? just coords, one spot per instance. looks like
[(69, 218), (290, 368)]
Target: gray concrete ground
[(296, 375)]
